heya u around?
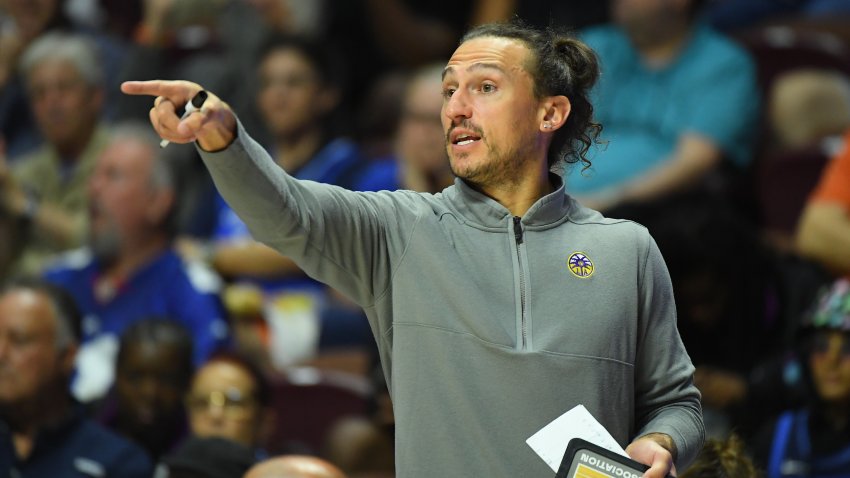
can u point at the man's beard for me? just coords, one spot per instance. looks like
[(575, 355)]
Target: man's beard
[(105, 243), (502, 169)]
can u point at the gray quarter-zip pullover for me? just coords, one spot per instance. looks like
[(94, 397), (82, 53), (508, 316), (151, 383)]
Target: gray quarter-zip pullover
[(488, 326)]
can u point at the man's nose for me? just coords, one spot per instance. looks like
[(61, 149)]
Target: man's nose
[(458, 107), (215, 411), (149, 388)]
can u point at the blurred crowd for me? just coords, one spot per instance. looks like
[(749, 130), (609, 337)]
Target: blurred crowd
[(137, 304)]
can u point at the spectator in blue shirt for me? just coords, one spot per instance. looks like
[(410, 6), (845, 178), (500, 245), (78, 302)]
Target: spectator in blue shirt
[(43, 432), (129, 270), (814, 441), (676, 99)]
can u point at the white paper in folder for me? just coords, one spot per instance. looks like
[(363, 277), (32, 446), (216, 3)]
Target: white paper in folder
[(550, 442)]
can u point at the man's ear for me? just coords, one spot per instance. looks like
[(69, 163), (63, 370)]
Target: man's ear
[(554, 113)]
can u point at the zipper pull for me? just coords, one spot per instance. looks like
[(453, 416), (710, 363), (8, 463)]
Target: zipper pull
[(518, 230)]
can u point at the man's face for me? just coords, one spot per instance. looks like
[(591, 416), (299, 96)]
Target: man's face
[(645, 20), (30, 16), (490, 114), (30, 361), (421, 135), (150, 385), (222, 402), (291, 97), (120, 195), (64, 105)]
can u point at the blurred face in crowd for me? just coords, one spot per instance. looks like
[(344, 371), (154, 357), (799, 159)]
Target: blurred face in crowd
[(65, 106), (292, 98), (222, 402), (830, 365), (31, 16), (648, 21), (421, 138), (124, 204), (150, 385), (31, 360), (490, 115)]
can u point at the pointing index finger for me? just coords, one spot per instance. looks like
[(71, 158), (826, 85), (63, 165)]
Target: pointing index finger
[(174, 90)]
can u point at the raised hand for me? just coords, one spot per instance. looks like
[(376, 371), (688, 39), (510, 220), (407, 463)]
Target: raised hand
[(213, 126)]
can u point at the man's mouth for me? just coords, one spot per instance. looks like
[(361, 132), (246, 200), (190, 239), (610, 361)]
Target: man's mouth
[(463, 136), (465, 139)]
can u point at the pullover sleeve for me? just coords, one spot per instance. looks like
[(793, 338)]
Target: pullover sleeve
[(346, 239), (666, 399)]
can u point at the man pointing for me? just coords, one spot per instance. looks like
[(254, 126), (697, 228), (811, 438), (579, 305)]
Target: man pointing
[(499, 303)]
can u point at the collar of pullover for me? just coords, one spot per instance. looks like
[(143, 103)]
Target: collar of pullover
[(480, 209)]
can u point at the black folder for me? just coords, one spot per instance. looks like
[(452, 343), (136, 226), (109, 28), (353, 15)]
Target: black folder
[(586, 460)]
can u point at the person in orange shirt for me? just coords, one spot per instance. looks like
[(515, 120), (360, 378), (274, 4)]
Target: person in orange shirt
[(823, 233)]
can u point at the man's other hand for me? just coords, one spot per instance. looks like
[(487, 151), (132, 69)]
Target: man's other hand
[(655, 450)]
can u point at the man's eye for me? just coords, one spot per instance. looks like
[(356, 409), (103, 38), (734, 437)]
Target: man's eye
[(448, 92), (488, 88)]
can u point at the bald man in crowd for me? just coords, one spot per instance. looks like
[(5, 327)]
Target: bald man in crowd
[(294, 466)]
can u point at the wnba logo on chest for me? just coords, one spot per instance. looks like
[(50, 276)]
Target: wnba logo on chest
[(580, 265)]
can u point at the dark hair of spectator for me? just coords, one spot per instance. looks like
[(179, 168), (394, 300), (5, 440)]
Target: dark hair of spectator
[(263, 390), (560, 65), (319, 55), (722, 459), (160, 331)]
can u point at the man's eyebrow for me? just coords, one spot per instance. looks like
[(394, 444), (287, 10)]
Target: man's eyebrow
[(475, 66), (486, 66)]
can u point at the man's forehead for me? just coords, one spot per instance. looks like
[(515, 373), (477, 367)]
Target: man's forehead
[(51, 68), (129, 155), (28, 306), (492, 52)]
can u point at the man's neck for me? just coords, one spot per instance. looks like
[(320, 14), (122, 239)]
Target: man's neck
[(660, 52), (134, 257), (70, 151), (519, 197), (293, 152), (28, 419)]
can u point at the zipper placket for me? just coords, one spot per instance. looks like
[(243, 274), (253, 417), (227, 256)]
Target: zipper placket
[(519, 240)]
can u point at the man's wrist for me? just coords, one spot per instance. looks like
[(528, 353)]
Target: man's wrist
[(665, 441), (225, 133)]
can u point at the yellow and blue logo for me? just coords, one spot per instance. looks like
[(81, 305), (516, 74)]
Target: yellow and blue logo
[(580, 265)]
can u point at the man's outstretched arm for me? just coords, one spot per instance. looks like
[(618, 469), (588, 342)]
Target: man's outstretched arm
[(342, 238)]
